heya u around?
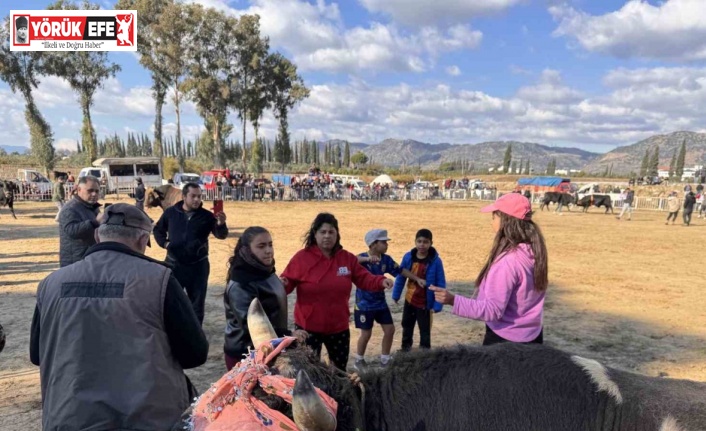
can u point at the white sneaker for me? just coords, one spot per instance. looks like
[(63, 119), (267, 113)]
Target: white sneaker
[(360, 365)]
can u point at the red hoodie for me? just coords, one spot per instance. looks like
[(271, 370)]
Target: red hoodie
[(324, 288)]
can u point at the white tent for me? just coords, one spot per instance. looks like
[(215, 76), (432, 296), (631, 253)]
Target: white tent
[(383, 179)]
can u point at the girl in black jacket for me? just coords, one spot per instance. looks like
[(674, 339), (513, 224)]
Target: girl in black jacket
[(251, 275)]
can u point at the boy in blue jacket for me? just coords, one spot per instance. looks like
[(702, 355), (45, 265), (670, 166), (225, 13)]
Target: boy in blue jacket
[(424, 262)]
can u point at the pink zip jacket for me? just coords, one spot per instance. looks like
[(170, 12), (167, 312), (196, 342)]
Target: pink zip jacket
[(507, 300)]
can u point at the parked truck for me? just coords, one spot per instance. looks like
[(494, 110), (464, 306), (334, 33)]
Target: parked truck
[(33, 184)]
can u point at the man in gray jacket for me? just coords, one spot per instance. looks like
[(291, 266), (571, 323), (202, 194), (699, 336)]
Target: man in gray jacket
[(113, 333), (77, 221)]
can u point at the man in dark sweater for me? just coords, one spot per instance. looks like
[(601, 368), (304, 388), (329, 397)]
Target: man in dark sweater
[(183, 230), (77, 221)]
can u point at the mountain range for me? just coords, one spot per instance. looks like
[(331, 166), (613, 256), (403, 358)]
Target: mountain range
[(625, 159)]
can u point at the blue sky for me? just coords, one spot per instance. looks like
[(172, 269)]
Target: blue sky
[(590, 74)]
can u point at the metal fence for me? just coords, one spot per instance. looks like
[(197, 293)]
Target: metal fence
[(30, 192)]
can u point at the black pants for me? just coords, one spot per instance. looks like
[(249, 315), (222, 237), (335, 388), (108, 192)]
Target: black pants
[(492, 338), (687, 218), (412, 315), (338, 346), (673, 216), (194, 279)]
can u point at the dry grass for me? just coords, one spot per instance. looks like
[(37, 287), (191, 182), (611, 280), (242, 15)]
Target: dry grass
[(626, 293)]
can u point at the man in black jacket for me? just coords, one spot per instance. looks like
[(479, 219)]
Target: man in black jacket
[(183, 230), (140, 194), (77, 221)]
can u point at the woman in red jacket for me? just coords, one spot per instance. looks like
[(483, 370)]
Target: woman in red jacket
[(323, 274)]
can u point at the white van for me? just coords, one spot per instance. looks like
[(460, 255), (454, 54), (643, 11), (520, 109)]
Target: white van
[(122, 171), (96, 172)]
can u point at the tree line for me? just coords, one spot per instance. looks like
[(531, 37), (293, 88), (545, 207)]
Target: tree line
[(219, 62)]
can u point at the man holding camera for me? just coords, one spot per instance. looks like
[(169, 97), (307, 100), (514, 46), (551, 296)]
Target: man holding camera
[(183, 231)]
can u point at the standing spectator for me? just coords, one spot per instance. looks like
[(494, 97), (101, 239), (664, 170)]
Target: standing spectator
[(700, 203), (77, 221), (371, 307), (140, 194), (251, 275), (673, 207), (70, 178), (183, 230), (689, 202), (627, 204), (58, 196), (323, 274), (113, 333), (513, 282), (424, 262), (687, 188), (528, 195)]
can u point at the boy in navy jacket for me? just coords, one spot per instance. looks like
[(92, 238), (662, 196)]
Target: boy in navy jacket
[(424, 262)]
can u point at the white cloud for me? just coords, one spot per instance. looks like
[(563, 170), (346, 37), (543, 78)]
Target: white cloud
[(317, 39), (453, 70), (517, 70), (548, 111), (674, 29), (550, 90), (425, 12)]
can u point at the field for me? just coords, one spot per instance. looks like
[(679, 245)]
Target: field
[(628, 293)]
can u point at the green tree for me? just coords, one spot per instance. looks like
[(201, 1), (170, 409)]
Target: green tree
[(644, 167), (507, 159), (681, 159), (149, 13), (337, 155), (256, 156), (85, 71), (359, 158), (527, 167), (211, 65), (174, 32), (513, 170), (347, 155), (132, 150), (21, 71), (673, 164), (252, 49), (654, 163)]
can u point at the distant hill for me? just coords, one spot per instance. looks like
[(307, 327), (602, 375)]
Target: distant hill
[(397, 152), (629, 158), (14, 148)]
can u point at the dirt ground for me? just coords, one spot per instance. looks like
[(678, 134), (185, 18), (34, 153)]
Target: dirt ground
[(625, 292)]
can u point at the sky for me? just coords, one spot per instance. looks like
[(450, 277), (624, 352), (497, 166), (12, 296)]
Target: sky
[(589, 74)]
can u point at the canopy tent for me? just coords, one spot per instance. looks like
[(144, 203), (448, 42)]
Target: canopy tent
[(542, 181), (383, 179)]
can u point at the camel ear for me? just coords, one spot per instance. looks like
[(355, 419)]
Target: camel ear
[(159, 194)]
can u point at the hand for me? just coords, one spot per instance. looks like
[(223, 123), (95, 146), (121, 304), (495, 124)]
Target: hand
[(421, 282), (387, 283), (373, 259), (442, 296), (221, 218), (284, 281), (301, 335), (354, 378)]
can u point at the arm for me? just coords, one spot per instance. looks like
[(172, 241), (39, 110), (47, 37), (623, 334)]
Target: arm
[(161, 230), (401, 279), (439, 282), (291, 275), (363, 279), (76, 228), (220, 231), (497, 288), (408, 274), (186, 338)]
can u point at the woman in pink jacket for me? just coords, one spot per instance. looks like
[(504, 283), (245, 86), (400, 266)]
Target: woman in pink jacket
[(513, 282)]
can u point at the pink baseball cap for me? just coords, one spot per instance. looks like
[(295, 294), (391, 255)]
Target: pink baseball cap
[(512, 204)]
